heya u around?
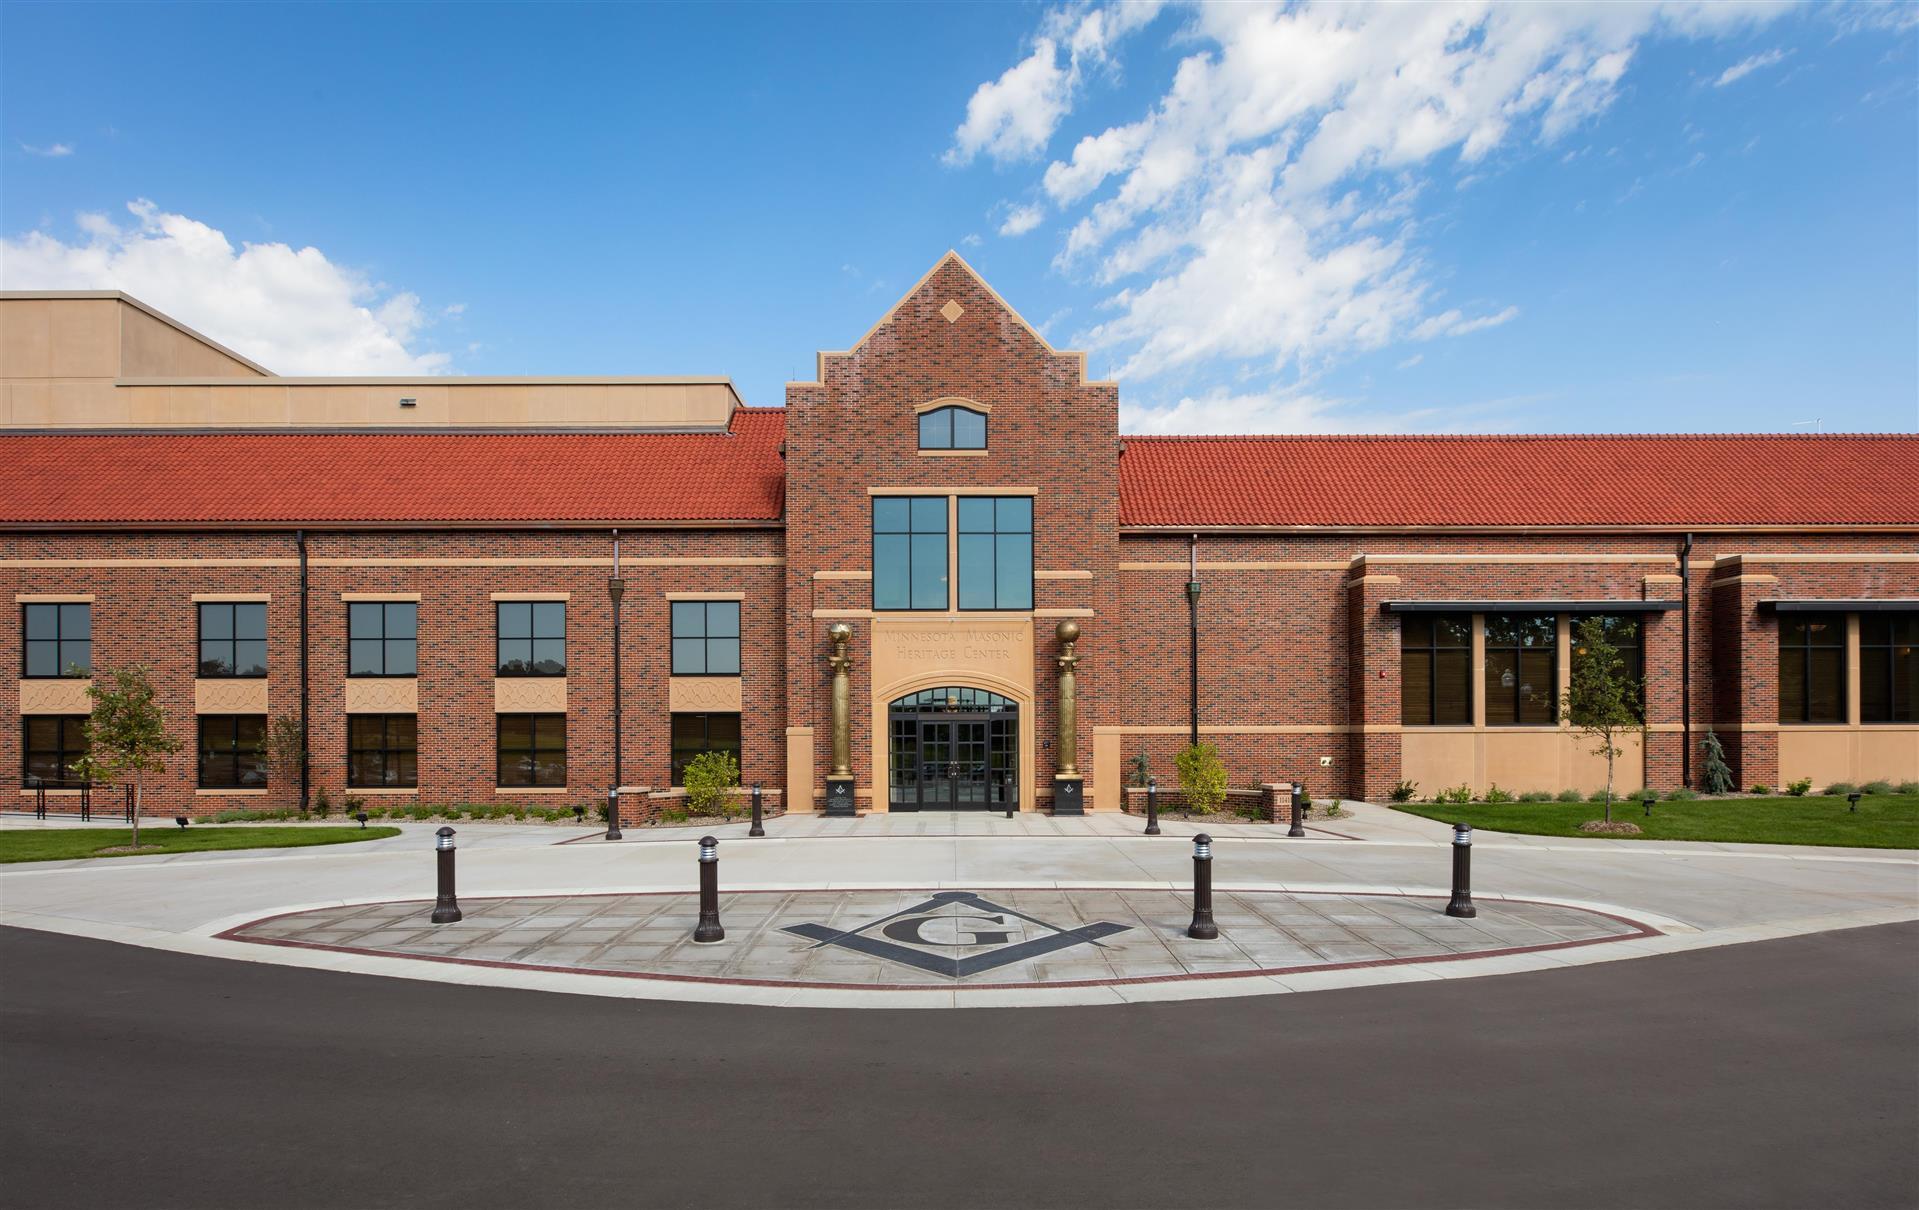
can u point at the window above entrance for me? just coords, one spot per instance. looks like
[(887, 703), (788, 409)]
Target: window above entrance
[(953, 700), (953, 428)]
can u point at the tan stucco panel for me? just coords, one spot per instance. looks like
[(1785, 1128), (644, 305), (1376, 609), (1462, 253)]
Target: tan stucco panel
[(799, 769), (927, 651), (704, 694), (529, 695), (383, 695), (67, 695), (1106, 774), (1854, 754), (1518, 760), (230, 695)]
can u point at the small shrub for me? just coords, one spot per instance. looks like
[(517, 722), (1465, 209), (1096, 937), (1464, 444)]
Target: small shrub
[(1798, 788), (1334, 810), (674, 815), (1496, 795), (1840, 789), (1599, 796), (322, 803), (1458, 796), (1909, 787), (1569, 796), (1202, 778), (1403, 791), (1536, 796), (709, 778), (1682, 794), (353, 805), (1876, 787), (1645, 792), (1760, 788)]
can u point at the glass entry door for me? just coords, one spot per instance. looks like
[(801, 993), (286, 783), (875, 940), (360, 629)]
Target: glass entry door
[(953, 750)]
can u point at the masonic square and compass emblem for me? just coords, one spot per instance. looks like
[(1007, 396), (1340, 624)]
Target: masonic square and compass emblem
[(957, 933)]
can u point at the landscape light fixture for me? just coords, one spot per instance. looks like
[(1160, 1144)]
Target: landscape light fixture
[(362, 818), (182, 820), (1852, 801), (1648, 801)]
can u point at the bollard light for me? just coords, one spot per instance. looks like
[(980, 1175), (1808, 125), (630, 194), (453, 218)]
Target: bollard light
[(446, 908), (708, 930), (1202, 928), (1152, 806), (1461, 904), (759, 825), (1648, 801), (362, 818), (1299, 795), (613, 813), (1853, 802), (181, 820)]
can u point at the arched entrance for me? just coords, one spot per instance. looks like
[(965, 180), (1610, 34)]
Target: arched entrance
[(952, 749)]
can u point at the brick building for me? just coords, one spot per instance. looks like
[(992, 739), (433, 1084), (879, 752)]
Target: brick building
[(420, 569)]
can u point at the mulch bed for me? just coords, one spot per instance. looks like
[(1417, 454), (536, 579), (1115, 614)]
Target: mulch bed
[(1617, 827)]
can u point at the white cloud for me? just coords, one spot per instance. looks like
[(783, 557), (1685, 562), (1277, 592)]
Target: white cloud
[(291, 310), (1288, 412), (971, 239), (453, 309), (1412, 361), (1259, 215), (1021, 219), (1750, 64), (51, 151)]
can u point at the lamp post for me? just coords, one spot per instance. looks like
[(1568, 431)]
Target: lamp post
[(708, 930), (1203, 928), (1152, 806), (1461, 904), (446, 909), (613, 813), (615, 590)]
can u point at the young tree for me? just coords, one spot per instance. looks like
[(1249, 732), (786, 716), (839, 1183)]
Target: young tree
[(1604, 699), (1718, 773), (127, 733), (286, 750)]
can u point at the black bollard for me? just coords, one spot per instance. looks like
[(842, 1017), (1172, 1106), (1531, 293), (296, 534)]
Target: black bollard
[(1461, 903), (446, 909), (759, 827), (1202, 928), (613, 814), (1299, 814), (709, 930), (1152, 806)]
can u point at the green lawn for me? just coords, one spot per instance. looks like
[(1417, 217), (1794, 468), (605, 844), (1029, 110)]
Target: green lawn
[(161, 836), (1884, 821)]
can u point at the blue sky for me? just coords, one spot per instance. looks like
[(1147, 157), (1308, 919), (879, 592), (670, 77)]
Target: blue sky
[(1615, 218)]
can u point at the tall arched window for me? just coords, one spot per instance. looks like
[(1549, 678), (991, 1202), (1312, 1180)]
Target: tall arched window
[(952, 428)]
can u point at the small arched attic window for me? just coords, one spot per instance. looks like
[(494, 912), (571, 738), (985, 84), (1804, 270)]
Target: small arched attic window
[(953, 426)]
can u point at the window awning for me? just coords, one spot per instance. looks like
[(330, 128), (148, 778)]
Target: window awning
[(1841, 604), (1583, 606)]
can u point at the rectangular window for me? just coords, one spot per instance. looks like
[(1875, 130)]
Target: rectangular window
[(1436, 670), (531, 637), (532, 750), (706, 638), (1888, 673), (383, 638), (909, 552), (49, 744), (1812, 668), (1522, 669), (1622, 631), (697, 733), (59, 639), (996, 552), (233, 751), (233, 638), (382, 750)]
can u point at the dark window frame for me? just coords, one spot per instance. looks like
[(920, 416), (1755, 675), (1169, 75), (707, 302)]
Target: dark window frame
[(676, 765), (78, 722), (946, 536), (59, 609), (231, 749), (387, 751), (958, 540), (706, 638), (952, 429), (200, 641), (1890, 647), (383, 641), (1803, 651), (1634, 652), (534, 720), (1519, 650), (1430, 650), (500, 640)]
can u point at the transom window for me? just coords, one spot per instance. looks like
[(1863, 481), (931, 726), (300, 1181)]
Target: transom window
[(1812, 668), (531, 637), (50, 744), (697, 733), (1888, 672), (532, 750), (952, 428), (1522, 669), (995, 552), (233, 751), (59, 639), (909, 552), (233, 639), (382, 750), (383, 638), (706, 638), (1622, 631), (1435, 670)]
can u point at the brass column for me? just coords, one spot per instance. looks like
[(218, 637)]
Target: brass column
[(1068, 634), (839, 782)]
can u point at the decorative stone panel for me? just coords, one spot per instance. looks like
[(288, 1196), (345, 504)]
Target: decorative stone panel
[(529, 695), (230, 695), (67, 695), (704, 694), (383, 695)]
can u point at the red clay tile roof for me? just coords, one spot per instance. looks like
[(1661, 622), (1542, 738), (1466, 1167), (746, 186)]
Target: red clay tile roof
[(348, 478), (1675, 481)]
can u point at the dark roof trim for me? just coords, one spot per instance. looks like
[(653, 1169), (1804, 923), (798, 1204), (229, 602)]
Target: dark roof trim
[(1841, 604), (1586, 606)]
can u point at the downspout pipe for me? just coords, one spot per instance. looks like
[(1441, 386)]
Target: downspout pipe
[(306, 742), (1192, 617), (1685, 661)]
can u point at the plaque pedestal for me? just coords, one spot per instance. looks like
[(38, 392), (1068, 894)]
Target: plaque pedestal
[(1069, 795), (839, 797)]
